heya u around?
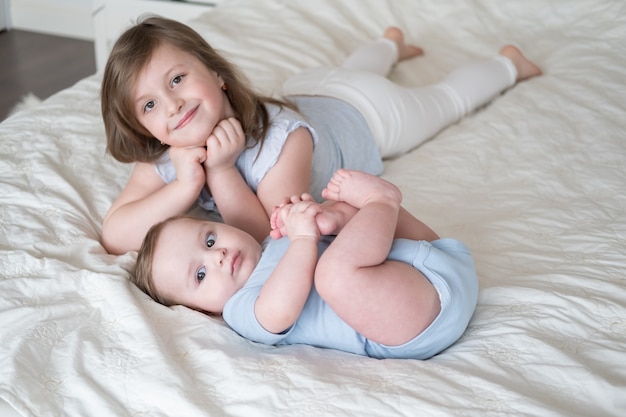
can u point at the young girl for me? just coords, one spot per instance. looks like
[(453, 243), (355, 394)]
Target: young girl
[(386, 286), (197, 131)]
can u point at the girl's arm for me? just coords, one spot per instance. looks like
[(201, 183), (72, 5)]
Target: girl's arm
[(291, 175), (146, 200), (237, 203), (285, 292)]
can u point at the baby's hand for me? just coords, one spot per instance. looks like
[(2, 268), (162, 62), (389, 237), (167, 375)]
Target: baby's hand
[(298, 219), (225, 144), (277, 225)]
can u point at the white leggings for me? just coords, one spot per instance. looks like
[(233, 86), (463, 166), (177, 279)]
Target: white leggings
[(400, 118)]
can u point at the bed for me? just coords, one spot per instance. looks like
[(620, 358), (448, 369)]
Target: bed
[(534, 184)]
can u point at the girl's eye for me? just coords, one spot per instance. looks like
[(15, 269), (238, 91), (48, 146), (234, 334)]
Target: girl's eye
[(176, 80), (210, 240), (148, 106), (200, 274)]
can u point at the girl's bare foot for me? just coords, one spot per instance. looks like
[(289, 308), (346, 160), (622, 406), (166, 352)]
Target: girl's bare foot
[(358, 188), (405, 51), (525, 68)]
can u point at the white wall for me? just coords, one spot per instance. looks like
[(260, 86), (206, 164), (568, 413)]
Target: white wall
[(70, 18), (4, 14)]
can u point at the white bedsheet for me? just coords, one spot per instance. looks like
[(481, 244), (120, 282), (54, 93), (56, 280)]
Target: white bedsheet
[(535, 184)]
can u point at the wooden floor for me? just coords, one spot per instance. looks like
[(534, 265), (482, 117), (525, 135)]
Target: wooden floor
[(40, 64)]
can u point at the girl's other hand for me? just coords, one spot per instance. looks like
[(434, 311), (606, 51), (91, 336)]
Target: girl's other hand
[(225, 144), (188, 165)]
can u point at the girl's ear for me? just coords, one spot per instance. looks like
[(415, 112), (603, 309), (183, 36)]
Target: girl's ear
[(222, 83)]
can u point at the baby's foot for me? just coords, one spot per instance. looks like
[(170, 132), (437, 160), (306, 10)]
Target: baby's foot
[(277, 226), (358, 188), (405, 51), (334, 215), (525, 68)]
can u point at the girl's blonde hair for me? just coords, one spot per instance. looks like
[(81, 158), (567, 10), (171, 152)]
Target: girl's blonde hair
[(127, 139)]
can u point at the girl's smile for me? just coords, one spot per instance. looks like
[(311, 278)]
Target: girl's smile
[(187, 118)]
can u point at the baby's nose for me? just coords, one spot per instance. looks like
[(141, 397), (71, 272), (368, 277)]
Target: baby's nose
[(220, 255)]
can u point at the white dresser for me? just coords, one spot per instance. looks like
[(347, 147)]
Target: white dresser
[(111, 17)]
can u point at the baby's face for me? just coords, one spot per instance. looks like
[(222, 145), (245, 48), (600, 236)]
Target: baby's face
[(202, 264)]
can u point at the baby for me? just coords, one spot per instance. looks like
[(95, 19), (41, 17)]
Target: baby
[(362, 275)]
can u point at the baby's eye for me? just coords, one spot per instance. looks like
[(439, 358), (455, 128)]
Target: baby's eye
[(200, 274), (176, 80), (210, 240), (148, 106)]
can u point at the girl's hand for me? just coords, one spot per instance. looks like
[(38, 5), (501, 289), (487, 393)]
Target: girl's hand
[(188, 165), (225, 144), (298, 219)]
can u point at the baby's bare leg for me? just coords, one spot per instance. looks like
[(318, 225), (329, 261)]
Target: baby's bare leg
[(378, 202), (373, 227), (387, 301)]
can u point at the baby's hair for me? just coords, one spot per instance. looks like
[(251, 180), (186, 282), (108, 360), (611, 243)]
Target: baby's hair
[(127, 139), (142, 273)]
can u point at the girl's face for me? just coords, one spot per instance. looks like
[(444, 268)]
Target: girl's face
[(202, 264), (178, 100)]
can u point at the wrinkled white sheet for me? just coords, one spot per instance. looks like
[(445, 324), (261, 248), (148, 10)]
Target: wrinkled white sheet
[(534, 183)]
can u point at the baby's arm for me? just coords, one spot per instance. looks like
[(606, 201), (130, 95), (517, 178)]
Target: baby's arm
[(285, 292)]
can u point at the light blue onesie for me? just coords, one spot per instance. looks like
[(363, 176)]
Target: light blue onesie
[(447, 263)]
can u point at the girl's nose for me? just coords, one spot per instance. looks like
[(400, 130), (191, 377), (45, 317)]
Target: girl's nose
[(174, 105)]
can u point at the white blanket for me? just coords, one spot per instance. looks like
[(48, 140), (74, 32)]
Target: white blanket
[(534, 184)]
